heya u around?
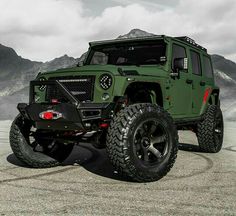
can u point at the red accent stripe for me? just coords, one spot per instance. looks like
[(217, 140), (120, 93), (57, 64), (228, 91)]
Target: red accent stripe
[(206, 94)]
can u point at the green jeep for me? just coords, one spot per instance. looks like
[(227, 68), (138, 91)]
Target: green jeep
[(130, 96)]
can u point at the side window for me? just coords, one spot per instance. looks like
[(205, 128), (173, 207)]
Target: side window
[(178, 52), (207, 67), (196, 65)]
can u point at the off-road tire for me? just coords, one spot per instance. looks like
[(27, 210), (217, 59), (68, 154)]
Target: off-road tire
[(24, 152), (210, 131), (120, 146)]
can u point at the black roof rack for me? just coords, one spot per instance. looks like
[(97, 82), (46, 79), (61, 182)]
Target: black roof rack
[(191, 41), (117, 40)]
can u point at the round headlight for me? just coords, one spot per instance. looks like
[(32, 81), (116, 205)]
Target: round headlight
[(105, 81), (42, 87)]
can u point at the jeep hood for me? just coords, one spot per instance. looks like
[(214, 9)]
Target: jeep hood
[(130, 70)]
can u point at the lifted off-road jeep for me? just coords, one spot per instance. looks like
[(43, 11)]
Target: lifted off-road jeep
[(130, 96)]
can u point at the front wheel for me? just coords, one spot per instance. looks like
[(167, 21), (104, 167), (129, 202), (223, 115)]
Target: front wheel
[(142, 142), (36, 152)]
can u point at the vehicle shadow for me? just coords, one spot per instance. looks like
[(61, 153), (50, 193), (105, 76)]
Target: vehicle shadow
[(85, 155), (95, 160)]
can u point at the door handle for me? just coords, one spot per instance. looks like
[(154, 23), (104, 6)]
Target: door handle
[(202, 83), (189, 81)]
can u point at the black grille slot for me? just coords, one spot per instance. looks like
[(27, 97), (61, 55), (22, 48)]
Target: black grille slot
[(79, 86)]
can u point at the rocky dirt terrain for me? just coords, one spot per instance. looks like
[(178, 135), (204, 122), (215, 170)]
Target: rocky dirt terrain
[(198, 184)]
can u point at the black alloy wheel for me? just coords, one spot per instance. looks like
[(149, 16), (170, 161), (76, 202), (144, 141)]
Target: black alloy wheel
[(142, 142), (151, 142)]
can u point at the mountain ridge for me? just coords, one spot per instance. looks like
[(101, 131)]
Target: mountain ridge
[(16, 72)]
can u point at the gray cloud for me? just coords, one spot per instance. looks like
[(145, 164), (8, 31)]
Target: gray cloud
[(44, 29)]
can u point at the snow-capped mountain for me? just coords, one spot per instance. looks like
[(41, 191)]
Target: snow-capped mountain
[(223, 76), (135, 33), (222, 64), (16, 72)]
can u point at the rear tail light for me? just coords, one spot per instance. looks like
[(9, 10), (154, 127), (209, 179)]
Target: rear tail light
[(50, 115)]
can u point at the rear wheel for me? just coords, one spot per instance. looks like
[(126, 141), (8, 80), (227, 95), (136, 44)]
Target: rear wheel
[(211, 130), (142, 142), (36, 151)]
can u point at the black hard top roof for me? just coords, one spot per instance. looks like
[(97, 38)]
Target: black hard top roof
[(184, 39)]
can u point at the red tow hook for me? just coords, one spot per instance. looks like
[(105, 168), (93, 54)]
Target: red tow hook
[(50, 115)]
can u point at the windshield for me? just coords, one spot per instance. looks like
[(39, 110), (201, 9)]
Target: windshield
[(128, 54)]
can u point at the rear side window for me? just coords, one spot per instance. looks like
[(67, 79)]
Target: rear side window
[(178, 52), (196, 65), (207, 67)]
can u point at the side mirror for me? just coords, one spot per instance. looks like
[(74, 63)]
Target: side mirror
[(180, 64)]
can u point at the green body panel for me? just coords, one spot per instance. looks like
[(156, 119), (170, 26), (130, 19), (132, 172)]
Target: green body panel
[(180, 99), (150, 74)]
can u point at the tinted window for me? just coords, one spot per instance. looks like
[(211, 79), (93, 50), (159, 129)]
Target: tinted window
[(99, 58), (178, 52), (207, 67), (196, 65), (128, 54)]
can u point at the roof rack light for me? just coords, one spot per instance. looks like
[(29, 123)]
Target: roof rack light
[(191, 41)]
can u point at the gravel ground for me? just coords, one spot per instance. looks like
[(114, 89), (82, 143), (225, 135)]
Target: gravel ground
[(198, 184)]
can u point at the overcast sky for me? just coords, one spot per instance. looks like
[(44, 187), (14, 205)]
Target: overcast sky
[(44, 29)]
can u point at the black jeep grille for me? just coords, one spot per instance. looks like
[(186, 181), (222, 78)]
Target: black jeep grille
[(79, 86)]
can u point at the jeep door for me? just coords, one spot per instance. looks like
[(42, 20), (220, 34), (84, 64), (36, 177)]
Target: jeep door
[(199, 83), (207, 70), (181, 86), (199, 80)]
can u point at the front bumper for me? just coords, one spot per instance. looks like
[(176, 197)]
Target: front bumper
[(81, 117), (74, 115)]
